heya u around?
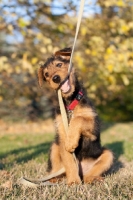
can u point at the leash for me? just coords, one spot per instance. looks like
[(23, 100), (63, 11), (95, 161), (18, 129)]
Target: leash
[(82, 2), (62, 107), (64, 119), (34, 183)]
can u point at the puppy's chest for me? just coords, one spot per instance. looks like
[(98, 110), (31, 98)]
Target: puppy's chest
[(69, 115)]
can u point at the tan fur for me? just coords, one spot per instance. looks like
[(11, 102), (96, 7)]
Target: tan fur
[(66, 156), (99, 166), (56, 158)]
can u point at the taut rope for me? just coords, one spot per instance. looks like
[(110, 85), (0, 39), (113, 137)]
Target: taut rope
[(44, 181)]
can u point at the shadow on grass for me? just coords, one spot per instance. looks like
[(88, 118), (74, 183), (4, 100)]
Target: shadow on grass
[(117, 149), (25, 154), (106, 125)]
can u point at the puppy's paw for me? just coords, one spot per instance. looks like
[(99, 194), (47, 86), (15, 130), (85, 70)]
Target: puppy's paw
[(92, 179), (73, 181), (70, 146)]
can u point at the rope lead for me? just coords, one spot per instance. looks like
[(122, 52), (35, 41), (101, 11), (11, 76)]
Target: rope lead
[(33, 183)]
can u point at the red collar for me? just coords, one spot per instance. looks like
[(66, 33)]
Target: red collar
[(74, 103)]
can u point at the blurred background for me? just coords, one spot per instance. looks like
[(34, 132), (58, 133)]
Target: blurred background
[(31, 30)]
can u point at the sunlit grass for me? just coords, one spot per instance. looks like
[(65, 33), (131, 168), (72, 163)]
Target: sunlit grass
[(119, 138), (25, 154), (20, 148)]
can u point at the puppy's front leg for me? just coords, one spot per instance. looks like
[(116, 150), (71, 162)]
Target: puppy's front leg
[(78, 126), (74, 133), (66, 157), (70, 166)]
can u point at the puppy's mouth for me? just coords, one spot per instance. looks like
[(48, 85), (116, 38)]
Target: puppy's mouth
[(65, 87)]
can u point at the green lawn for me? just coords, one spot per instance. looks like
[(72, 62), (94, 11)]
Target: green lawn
[(20, 148), (119, 138), (26, 154)]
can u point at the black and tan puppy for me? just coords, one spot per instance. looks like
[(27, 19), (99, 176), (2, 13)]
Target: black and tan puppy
[(83, 135)]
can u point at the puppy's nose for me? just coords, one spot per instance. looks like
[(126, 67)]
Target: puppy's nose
[(56, 79)]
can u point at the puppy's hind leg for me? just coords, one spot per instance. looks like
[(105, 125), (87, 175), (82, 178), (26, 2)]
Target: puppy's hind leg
[(54, 162), (101, 165), (55, 165)]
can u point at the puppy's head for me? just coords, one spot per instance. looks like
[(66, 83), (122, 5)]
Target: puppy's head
[(55, 72)]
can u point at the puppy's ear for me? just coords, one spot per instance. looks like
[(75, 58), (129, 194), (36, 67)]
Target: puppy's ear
[(40, 76), (64, 53)]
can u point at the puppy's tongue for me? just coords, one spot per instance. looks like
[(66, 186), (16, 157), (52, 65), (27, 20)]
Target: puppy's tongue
[(66, 86)]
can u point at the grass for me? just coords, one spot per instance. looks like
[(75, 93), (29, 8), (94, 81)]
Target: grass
[(24, 147), (24, 150), (119, 138)]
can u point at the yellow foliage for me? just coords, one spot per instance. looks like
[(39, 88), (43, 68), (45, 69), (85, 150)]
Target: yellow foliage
[(55, 49), (34, 60), (112, 24), (93, 88), (25, 56), (43, 50), (26, 65), (43, 38), (3, 59), (50, 48), (130, 63), (109, 3), (94, 53), (18, 69), (110, 68), (5, 65), (106, 56), (84, 30), (87, 51), (120, 57), (10, 27), (130, 24), (120, 3), (125, 28), (61, 28), (22, 23), (109, 50), (131, 54), (111, 79), (125, 79), (79, 60), (39, 36), (47, 40), (104, 47), (1, 98)]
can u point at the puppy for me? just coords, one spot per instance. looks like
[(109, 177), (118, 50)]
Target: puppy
[(83, 137)]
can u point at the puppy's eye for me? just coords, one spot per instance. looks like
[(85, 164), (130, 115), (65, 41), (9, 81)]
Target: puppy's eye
[(59, 65), (47, 74)]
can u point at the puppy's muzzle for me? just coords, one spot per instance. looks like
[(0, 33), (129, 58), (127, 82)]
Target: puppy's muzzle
[(56, 79)]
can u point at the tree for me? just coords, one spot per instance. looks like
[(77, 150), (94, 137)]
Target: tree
[(31, 31)]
